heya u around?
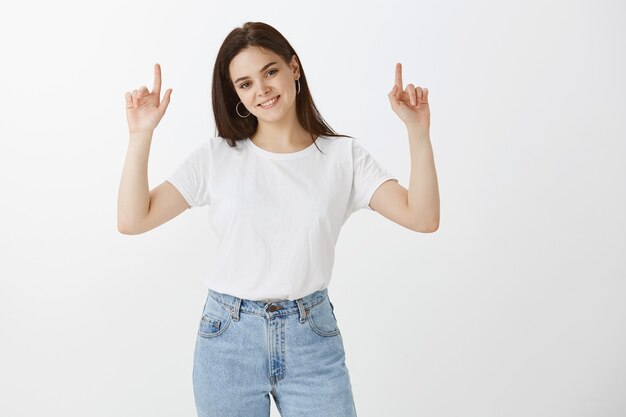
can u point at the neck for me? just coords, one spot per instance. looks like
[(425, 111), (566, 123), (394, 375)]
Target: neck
[(283, 135)]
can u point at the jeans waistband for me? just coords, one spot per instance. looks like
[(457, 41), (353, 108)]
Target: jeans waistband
[(268, 309)]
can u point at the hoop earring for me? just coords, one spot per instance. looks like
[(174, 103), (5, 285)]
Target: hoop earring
[(237, 110), (298, 81)]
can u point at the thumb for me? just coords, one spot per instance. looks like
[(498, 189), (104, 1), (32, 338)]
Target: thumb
[(166, 100)]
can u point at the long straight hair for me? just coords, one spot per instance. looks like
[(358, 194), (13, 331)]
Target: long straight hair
[(229, 125)]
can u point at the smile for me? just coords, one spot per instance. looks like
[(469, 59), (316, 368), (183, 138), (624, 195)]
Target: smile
[(270, 103)]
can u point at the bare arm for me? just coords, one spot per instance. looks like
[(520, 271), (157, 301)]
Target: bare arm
[(144, 111), (133, 200), (418, 207), (140, 210)]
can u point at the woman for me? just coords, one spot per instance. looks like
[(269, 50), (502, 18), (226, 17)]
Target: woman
[(280, 183)]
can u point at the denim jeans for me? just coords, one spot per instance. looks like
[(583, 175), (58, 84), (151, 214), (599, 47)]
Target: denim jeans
[(247, 349)]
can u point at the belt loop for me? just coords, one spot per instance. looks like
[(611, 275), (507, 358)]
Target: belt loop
[(302, 310), (234, 310)]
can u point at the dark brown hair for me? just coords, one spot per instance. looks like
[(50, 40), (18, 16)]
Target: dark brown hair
[(229, 125)]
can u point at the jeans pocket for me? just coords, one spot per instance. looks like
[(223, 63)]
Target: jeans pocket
[(332, 309), (215, 319), (322, 319)]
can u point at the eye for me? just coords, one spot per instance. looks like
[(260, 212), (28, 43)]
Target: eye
[(242, 84)]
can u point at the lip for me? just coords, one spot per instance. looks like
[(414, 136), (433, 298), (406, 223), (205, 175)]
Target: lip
[(276, 102)]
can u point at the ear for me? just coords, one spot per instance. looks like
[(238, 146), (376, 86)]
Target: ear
[(295, 66)]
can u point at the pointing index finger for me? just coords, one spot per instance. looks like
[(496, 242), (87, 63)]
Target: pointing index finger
[(156, 88), (399, 76)]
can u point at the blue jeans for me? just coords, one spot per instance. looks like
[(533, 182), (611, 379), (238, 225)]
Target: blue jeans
[(246, 350)]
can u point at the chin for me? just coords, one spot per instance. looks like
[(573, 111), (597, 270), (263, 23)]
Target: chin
[(271, 119), (274, 117)]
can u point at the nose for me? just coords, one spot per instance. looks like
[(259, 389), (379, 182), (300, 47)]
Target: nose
[(263, 90)]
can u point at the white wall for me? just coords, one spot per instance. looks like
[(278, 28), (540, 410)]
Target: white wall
[(514, 307)]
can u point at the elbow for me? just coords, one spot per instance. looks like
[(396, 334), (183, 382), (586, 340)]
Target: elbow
[(125, 229), (121, 226), (427, 228), (433, 227)]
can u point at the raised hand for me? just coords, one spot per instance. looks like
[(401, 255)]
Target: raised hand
[(144, 109), (410, 104)]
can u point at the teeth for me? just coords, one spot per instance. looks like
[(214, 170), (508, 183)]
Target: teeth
[(268, 103)]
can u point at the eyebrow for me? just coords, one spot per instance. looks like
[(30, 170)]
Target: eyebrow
[(261, 70)]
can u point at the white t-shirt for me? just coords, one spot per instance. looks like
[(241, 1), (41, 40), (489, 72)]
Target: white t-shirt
[(277, 216)]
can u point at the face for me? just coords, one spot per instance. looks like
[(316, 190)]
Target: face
[(255, 82)]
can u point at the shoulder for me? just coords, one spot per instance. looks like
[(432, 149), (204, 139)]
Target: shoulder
[(217, 142), (344, 149), (206, 148), (220, 144), (217, 145), (345, 143), (335, 144), (352, 148)]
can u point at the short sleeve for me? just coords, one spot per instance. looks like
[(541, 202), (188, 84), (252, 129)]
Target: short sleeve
[(367, 176), (191, 177)]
